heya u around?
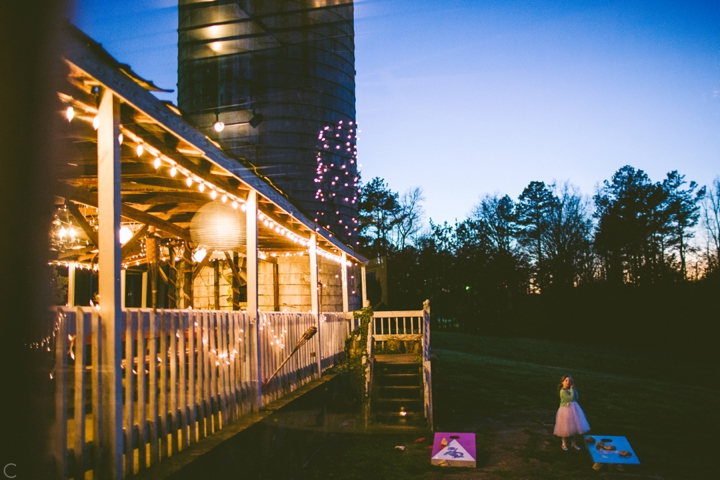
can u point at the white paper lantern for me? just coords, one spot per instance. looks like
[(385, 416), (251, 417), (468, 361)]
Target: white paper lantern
[(219, 227)]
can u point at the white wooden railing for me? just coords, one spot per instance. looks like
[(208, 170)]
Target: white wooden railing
[(186, 374), (405, 326)]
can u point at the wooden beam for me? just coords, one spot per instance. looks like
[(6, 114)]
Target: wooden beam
[(80, 219), (88, 198), (163, 275), (135, 238), (199, 266), (239, 277)]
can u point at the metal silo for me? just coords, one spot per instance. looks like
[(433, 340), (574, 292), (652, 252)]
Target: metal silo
[(280, 76)]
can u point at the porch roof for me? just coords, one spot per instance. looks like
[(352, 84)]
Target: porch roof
[(158, 193)]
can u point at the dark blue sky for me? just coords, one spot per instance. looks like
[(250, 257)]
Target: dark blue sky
[(467, 97)]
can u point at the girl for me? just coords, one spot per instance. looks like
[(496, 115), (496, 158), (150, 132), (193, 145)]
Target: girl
[(570, 419)]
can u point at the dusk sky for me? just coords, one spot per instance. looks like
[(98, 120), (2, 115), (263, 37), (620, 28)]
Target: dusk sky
[(466, 97)]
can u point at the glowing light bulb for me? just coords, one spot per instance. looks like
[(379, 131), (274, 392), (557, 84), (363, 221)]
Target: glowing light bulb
[(201, 187), (224, 198), (125, 234), (199, 255), (120, 139), (188, 181), (96, 122), (218, 126), (157, 163), (213, 194), (235, 205), (70, 113), (173, 171), (139, 150)]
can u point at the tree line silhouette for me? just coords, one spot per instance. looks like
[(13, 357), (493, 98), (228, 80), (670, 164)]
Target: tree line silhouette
[(619, 267)]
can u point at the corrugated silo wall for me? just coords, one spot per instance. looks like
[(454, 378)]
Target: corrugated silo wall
[(289, 65)]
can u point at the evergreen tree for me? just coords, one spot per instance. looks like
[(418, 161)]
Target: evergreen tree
[(683, 210), (711, 222), (631, 226), (534, 209), (379, 209)]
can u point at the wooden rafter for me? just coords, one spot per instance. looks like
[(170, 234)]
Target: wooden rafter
[(131, 243), (82, 222), (88, 198)]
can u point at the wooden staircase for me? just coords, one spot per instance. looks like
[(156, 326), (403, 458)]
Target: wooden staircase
[(398, 370), (397, 396)]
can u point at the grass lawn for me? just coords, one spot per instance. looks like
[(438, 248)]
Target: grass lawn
[(505, 390)]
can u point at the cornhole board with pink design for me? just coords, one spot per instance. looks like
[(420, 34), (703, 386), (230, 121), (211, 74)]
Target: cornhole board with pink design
[(459, 450)]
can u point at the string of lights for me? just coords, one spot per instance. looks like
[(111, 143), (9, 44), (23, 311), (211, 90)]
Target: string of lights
[(163, 162), (338, 176)]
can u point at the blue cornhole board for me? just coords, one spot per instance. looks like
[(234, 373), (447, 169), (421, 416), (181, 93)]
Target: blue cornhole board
[(611, 456)]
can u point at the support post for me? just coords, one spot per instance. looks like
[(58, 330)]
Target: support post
[(364, 286), (143, 295), (251, 222), (216, 284), (71, 286), (315, 300), (123, 286), (345, 300), (109, 204), (187, 292)]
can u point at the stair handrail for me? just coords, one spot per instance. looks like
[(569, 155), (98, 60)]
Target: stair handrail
[(427, 366)]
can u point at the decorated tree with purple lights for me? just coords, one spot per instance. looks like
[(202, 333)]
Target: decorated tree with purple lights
[(337, 178)]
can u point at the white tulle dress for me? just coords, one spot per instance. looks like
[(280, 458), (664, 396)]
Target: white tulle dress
[(570, 419)]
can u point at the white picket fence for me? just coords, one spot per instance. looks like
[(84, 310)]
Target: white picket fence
[(186, 375)]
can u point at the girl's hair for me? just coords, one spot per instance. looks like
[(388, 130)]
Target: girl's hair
[(562, 379)]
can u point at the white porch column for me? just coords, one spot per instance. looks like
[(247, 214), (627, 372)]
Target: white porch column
[(143, 295), (346, 303), (364, 286), (109, 204), (123, 284), (251, 235), (314, 300), (71, 286)]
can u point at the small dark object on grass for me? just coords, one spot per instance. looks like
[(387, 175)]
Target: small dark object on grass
[(420, 440)]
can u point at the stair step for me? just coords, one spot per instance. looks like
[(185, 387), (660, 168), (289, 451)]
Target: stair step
[(399, 400), (402, 387)]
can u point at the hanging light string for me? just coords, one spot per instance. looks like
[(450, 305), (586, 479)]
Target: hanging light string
[(214, 192)]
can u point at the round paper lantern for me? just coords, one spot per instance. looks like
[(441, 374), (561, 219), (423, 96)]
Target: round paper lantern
[(218, 226)]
